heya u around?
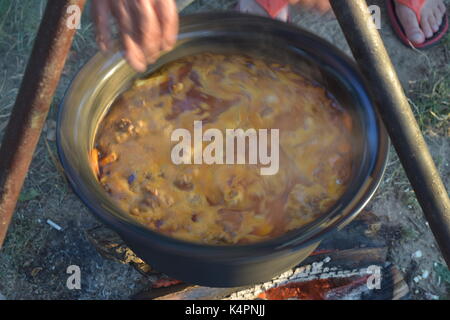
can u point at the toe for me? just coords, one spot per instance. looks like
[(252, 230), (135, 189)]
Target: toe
[(308, 3), (442, 7), (410, 24), (416, 36), (433, 23), (426, 28), (323, 6), (438, 16)]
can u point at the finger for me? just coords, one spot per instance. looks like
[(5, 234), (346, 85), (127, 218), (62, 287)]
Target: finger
[(148, 29), (166, 11), (122, 12), (133, 53), (101, 13)]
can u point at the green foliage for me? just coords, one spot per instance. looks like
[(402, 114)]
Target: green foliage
[(443, 272), (28, 195)]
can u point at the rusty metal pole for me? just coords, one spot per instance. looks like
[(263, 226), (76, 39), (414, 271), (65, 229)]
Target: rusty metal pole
[(47, 60), (374, 62)]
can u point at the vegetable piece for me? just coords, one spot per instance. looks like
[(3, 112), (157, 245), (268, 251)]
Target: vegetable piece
[(93, 159), (108, 159)]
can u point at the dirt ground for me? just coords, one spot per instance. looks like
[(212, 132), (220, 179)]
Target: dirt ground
[(35, 257)]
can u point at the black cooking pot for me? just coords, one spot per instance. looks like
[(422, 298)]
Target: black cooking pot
[(106, 76)]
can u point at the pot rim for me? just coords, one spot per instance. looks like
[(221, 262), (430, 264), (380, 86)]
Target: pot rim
[(291, 240)]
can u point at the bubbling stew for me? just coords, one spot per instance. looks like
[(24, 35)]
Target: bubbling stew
[(224, 203)]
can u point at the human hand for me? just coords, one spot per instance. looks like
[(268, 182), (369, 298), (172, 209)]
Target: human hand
[(321, 5), (146, 27)]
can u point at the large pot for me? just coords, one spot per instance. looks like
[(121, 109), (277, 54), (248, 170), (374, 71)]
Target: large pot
[(107, 75)]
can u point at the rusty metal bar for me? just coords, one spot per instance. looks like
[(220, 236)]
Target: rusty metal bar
[(47, 60), (374, 62)]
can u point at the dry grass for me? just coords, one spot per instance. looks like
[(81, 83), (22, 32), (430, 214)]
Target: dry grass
[(430, 101), (18, 23), (31, 244)]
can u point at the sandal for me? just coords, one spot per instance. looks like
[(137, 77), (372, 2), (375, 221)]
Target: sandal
[(276, 9), (416, 6)]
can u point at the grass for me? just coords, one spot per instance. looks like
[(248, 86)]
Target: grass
[(45, 194), (207, 5), (18, 25), (430, 97), (431, 102)]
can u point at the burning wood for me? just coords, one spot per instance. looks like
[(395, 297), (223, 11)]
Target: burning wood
[(351, 265), (322, 281)]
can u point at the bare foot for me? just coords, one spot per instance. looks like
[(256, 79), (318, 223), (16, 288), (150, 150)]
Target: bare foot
[(432, 15), (252, 7)]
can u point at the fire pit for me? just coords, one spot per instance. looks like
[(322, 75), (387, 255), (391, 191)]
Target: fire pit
[(106, 76)]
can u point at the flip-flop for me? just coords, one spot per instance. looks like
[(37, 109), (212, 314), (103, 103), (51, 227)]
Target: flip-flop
[(416, 6), (273, 8)]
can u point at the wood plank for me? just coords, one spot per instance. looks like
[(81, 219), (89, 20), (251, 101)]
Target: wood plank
[(201, 293)]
